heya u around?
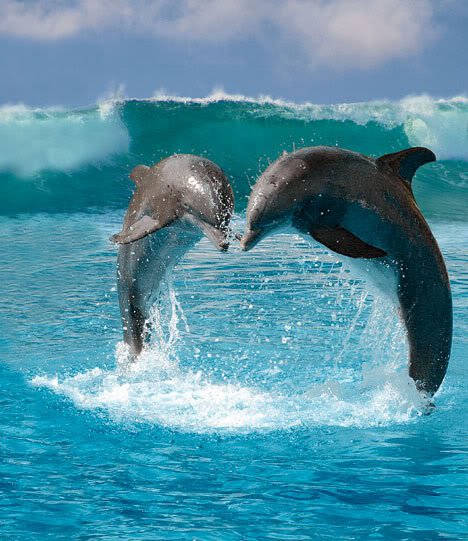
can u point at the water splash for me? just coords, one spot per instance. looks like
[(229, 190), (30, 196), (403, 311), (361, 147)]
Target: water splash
[(161, 393), (371, 388)]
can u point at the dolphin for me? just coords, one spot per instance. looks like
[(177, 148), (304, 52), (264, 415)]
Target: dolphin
[(175, 203), (364, 208)]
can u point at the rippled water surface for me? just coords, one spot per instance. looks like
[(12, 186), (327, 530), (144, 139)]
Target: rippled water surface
[(274, 401)]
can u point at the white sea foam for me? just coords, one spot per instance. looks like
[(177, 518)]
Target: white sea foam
[(33, 140), (439, 125), (218, 94), (159, 392)]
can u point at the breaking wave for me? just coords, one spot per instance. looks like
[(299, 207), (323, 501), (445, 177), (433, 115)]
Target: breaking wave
[(62, 161), (37, 140)]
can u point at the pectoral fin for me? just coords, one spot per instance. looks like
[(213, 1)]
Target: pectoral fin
[(343, 242), (136, 231)]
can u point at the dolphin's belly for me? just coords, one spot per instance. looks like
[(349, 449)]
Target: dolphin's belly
[(144, 264)]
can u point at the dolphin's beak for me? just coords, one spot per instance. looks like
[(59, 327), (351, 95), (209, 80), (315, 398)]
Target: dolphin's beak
[(250, 239), (218, 237)]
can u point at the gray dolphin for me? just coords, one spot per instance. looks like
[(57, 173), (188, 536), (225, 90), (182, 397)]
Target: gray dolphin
[(365, 208), (175, 202)]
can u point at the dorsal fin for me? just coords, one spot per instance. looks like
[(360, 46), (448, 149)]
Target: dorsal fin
[(406, 162), (138, 173)]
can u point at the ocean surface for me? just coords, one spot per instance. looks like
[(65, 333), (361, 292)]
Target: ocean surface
[(274, 401)]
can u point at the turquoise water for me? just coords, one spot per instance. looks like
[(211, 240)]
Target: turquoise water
[(274, 401)]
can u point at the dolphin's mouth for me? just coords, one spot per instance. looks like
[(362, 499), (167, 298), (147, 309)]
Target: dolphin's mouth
[(218, 236), (250, 238)]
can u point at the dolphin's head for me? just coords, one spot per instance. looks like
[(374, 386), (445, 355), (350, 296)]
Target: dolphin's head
[(262, 218), (208, 204), (182, 187), (270, 207)]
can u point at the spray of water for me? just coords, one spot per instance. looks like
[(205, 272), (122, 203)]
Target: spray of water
[(366, 383)]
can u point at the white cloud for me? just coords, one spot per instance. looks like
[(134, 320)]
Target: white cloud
[(358, 32), (212, 20), (51, 19), (350, 33)]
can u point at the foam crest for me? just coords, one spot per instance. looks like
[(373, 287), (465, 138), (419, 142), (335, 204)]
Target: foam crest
[(35, 140), (439, 125)]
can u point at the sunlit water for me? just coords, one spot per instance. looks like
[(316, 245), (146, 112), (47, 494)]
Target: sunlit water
[(274, 401)]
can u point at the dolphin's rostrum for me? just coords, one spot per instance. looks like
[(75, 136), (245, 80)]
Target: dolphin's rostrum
[(365, 208), (175, 202)]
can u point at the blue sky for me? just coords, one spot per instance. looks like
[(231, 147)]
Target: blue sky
[(72, 53)]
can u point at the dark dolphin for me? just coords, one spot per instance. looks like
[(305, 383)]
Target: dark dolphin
[(175, 202), (365, 208)]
